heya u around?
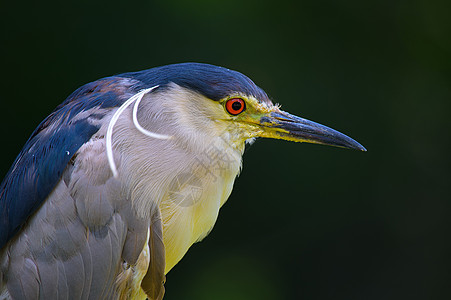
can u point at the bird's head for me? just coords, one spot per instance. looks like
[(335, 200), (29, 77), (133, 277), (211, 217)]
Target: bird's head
[(220, 102)]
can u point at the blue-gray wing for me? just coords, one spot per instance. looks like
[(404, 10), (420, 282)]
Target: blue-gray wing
[(40, 164)]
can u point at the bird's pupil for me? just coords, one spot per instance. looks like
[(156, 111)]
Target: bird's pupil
[(236, 105)]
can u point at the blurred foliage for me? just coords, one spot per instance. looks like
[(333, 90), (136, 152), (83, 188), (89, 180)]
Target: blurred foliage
[(304, 221)]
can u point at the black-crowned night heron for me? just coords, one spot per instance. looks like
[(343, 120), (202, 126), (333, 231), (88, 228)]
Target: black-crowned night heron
[(113, 187)]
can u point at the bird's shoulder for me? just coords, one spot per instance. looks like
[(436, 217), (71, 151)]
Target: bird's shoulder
[(41, 162)]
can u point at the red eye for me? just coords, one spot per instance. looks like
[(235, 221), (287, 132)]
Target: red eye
[(235, 106)]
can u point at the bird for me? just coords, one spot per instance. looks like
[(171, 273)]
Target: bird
[(115, 185)]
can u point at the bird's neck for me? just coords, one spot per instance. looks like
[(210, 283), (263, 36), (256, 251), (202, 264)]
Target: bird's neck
[(196, 194)]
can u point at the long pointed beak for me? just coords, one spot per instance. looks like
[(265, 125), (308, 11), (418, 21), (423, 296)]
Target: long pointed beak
[(282, 125)]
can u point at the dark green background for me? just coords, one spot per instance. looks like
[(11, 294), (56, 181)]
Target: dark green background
[(304, 221)]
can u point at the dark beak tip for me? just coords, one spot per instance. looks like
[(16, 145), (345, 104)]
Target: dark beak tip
[(361, 148), (356, 146), (353, 144)]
